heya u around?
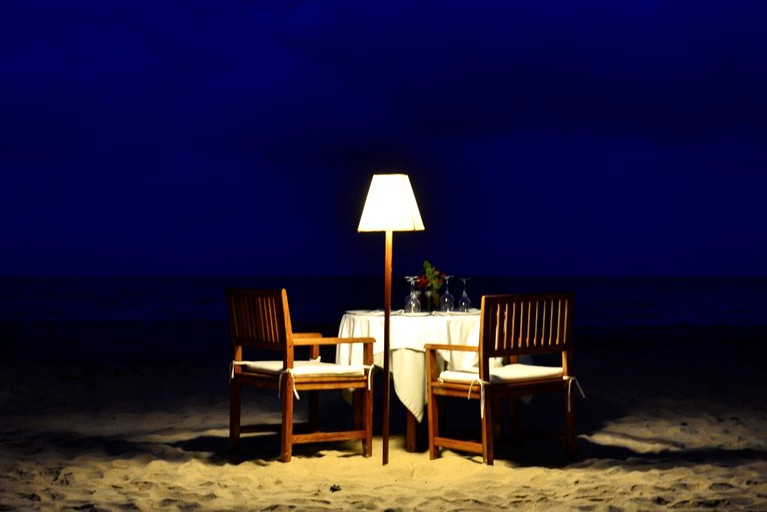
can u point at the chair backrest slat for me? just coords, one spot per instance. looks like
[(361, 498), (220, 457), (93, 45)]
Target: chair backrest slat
[(525, 324), (259, 318)]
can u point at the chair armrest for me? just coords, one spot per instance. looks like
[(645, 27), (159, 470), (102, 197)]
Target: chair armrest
[(330, 341), (430, 350), (307, 335), (440, 346), (367, 345), (314, 343)]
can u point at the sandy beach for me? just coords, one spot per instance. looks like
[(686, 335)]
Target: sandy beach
[(674, 418)]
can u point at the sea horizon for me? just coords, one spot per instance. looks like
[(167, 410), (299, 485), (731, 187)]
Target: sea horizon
[(600, 300)]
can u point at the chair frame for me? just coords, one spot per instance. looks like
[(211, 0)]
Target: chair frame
[(511, 326), (260, 319)]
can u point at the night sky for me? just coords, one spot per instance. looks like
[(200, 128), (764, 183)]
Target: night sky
[(239, 138)]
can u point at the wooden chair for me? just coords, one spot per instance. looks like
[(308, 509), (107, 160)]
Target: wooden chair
[(260, 321), (512, 326)]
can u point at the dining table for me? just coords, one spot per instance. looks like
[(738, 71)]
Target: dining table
[(408, 334)]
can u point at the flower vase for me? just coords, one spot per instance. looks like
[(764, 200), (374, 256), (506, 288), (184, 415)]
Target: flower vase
[(431, 301)]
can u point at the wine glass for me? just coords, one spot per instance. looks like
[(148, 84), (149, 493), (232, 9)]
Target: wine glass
[(447, 301), (464, 303), (412, 302)]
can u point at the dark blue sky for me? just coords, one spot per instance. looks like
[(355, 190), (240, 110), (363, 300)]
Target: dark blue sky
[(541, 138)]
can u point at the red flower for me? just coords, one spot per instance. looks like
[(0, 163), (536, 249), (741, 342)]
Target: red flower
[(431, 277)]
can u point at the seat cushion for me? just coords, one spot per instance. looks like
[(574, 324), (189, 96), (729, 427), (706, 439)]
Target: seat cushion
[(508, 373), (305, 368)]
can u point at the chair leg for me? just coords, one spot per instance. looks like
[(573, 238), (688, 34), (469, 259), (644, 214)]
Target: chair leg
[(358, 408), (235, 400), (367, 421), (572, 447), (433, 407), (497, 418), (286, 432), (514, 418), (487, 433), (314, 411), (358, 411)]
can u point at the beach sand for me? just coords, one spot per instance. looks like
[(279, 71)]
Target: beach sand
[(674, 418)]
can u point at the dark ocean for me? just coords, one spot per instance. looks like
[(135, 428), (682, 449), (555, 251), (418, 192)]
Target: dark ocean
[(70, 314), (600, 301)]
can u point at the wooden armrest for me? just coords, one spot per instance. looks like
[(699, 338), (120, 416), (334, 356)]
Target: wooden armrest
[(442, 346), (307, 335), (331, 341)]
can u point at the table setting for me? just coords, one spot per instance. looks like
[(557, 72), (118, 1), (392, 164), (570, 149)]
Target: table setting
[(451, 322)]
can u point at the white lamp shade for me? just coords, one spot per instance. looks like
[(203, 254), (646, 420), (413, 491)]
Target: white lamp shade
[(390, 205)]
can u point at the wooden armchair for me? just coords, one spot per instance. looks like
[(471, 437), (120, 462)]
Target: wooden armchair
[(260, 321), (511, 326)]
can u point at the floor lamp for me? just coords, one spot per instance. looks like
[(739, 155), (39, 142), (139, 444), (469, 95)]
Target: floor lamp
[(390, 206)]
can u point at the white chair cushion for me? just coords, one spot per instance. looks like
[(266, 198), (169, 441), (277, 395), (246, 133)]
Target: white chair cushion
[(306, 368), (507, 373)]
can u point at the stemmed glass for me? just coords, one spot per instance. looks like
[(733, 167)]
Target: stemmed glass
[(412, 302), (464, 303), (447, 301)]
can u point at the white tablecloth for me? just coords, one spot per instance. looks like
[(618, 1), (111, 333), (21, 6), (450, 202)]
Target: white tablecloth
[(407, 337)]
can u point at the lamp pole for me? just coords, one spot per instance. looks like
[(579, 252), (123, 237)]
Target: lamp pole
[(387, 354)]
